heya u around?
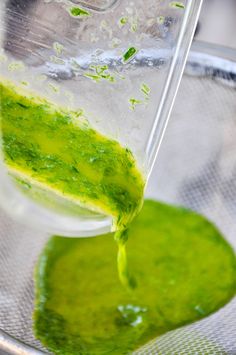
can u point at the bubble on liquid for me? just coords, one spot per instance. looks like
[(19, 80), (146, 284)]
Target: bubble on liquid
[(131, 314)]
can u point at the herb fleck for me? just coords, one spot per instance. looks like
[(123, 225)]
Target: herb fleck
[(134, 102), (129, 54), (16, 66), (177, 4), (93, 77), (134, 24), (160, 20), (25, 83), (58, 48), (78, 12), (123, 21), (145, 89), (56, 60), (100, 72), (53, 87)]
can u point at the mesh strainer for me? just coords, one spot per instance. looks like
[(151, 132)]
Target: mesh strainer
[(196, 168)]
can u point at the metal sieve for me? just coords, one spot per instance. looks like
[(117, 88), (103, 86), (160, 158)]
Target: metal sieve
[(196, 168)]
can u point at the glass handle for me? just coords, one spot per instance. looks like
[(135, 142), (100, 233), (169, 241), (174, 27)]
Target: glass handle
[(173, 81)]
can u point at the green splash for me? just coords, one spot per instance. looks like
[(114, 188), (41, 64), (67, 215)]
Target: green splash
[(184, 271)]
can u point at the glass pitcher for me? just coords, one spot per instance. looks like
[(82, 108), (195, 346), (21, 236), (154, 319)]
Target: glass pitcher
[(117, 64)]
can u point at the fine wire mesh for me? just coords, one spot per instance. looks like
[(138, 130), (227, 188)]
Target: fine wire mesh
[(196, 167)]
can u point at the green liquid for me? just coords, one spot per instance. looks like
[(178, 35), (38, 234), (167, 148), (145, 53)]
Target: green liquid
[(184, 270), (56, 149)]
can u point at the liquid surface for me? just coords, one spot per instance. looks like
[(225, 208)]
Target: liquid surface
[(184, 271), (57, 149)]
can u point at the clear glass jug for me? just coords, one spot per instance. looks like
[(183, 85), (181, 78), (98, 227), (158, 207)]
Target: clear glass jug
[(119, 62)]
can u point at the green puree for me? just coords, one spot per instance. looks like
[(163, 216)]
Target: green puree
[(184, 271), (56, 149)]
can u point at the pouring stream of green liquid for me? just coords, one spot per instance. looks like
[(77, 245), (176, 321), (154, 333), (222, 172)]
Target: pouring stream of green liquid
[(56, 149)]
